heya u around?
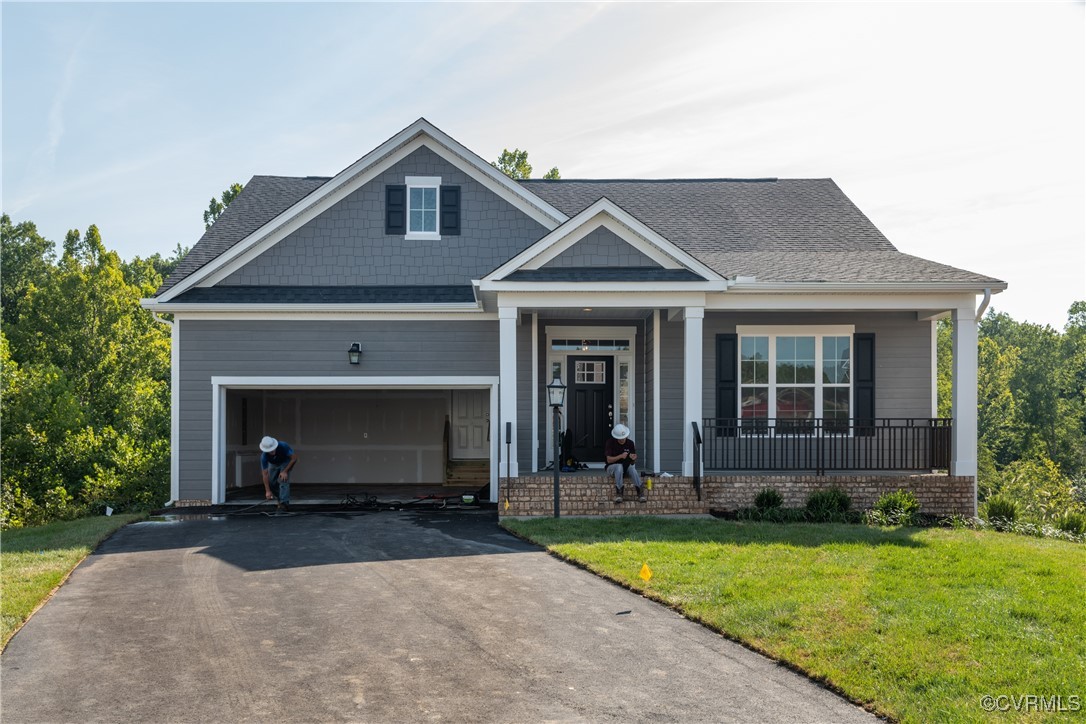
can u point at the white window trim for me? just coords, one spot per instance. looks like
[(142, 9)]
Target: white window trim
[(425, 182), (819, 332)]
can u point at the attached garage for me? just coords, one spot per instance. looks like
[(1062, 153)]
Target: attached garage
[(362, 432)]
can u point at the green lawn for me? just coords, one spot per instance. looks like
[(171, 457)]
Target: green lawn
[(917, 624), (34, 561)]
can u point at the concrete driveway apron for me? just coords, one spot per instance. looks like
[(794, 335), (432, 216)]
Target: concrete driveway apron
[(384, 617)]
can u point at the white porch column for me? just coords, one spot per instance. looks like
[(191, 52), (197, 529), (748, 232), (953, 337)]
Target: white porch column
[(692, 385), (963, 449), (507, 345)]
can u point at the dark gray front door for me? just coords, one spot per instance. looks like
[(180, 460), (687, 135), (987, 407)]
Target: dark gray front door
[(591, 405)]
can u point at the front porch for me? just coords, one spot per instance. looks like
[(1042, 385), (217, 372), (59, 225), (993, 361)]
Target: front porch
[(584, 494)]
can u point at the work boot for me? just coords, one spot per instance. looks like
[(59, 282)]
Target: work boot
[(641, 494), (618, 494)]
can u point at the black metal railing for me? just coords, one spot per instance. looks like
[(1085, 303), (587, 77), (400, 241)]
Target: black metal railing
[(697, 457), (820, 445)]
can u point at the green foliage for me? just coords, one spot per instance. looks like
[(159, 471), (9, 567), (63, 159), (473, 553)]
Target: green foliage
[(1038, 486), (1070, 522), (774, 515), (514, 164), (831, 504), (25, 262), (85, 384), (897, 508), (1000, 509), (1031, 416), (768, 498), (215, 207)]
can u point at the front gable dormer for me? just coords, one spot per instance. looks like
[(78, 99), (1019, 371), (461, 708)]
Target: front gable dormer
[(603, 245)]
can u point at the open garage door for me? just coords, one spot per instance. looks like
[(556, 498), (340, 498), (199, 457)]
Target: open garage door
[(343, 435)]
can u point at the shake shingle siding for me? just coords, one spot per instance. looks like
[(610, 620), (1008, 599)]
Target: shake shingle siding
[(347, 244), (601, 247)]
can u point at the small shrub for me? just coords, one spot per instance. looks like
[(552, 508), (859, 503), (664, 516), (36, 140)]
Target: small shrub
[(897, 508), (773, 515), (768, 498), (1000, 512), (1071, 522), (829, 505)]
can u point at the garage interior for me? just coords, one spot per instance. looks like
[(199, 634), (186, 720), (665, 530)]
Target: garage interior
[(353, 442)]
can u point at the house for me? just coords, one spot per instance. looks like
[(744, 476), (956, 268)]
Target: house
[(750, 332)]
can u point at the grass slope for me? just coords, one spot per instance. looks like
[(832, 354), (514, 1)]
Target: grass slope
[(918, 624), (34, 561)]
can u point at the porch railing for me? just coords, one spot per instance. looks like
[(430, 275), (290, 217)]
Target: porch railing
[(760, 444)]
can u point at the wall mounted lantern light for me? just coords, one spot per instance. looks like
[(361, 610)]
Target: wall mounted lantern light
[(354, 354)]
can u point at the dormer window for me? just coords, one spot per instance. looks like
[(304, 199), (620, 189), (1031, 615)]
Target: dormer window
[(422, 208)]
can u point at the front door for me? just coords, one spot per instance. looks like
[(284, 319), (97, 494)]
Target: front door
[(470, 425), (590, 405)]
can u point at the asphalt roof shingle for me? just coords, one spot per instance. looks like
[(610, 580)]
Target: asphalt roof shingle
[(776, 230)]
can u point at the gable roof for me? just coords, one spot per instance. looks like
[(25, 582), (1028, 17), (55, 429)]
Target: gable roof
[(776, 230), (261, 200), (261, 225), (790, 231)]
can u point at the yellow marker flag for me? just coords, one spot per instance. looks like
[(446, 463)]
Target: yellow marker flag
[(507, 503), (646, 572)]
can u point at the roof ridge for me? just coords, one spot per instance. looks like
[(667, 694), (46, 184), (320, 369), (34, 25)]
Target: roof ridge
[(765, 179)]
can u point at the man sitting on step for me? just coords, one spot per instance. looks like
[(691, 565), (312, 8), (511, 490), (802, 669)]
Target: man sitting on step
[(621, 455)]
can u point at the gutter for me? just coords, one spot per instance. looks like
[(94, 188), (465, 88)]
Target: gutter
[(984, 303)]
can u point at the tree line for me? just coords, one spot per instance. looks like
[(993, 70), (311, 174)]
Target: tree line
[(85, 384)]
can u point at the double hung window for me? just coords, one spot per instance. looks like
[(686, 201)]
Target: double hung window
[(794, 376), (422, 206)]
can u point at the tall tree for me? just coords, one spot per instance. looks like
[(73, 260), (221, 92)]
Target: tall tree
[(514, 164), (215, 207), (25, 262)]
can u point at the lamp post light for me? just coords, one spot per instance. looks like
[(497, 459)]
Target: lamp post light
[(556, 395)]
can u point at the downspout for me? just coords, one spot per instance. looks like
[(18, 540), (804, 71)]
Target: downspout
[(984, 304), (173, 405)]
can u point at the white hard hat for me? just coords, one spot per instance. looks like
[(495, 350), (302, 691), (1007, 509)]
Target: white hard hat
[(621, 432), (268, 444)]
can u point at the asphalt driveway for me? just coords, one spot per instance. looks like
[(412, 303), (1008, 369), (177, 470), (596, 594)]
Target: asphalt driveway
[(384, 617)]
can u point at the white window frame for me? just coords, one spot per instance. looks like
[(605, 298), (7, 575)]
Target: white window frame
[(819, 332), (423, 182)]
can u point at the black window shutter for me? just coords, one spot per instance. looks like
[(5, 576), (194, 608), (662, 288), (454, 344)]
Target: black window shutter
[(395, 209), (863, 383), (450, 210), (727, 383)]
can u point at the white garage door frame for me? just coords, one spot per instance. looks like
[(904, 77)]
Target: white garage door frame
[(219, 386)]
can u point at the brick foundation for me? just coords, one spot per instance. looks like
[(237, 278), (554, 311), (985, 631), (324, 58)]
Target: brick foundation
[(593, 494)]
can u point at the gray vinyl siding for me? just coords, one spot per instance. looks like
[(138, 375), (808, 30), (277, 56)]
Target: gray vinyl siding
[(524, 395), (600, 247), (902, 355), (312, 349), (645, 366), (672, 346), (347, 244)]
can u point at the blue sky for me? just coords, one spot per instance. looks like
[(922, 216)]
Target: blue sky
[(958, 128)]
